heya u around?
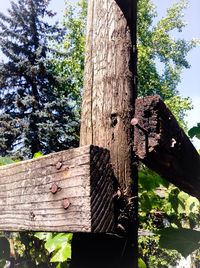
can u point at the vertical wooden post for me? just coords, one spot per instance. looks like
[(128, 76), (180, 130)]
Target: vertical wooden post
[(109, 93), (108, 106)]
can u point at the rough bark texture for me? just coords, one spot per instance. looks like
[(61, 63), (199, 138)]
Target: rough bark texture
[(108, 106), (162, 145), (34, 193)]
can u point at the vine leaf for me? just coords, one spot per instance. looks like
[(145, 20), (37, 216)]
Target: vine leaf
[(141, 263), (185, 241), (195, 131), (5, 161), (60, 247)]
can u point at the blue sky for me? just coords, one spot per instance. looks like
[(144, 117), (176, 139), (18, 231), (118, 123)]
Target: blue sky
[(190, 85)]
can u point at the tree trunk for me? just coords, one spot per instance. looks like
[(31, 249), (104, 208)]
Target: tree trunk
[(108, 106)]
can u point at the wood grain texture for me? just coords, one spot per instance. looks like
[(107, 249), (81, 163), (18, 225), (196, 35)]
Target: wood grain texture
[(81, 175), (163, 146), (108, 106), (109, 88)]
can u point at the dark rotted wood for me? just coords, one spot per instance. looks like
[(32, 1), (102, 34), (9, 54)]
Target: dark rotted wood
[(162, 145), (69, 191)]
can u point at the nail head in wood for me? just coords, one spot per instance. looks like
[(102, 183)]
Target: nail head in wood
[(54, 188), (134, 121), (66, 203)]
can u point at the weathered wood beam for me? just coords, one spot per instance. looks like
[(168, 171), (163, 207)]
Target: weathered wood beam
[(108, 106), (67, 191), (109, 86), (161, 144)]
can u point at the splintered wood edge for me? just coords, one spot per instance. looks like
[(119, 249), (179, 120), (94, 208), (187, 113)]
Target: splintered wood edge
[(164, 147), (69, 191)]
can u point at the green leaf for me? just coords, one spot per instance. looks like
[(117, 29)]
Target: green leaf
[(5, 161), (173, 199), (43, 236), (182, 199), (195, 131), (192, 205), (150, 180), (38, 154), (141, 263), (60, 246), (145, 202), (62, 265), (185, 241), (63, 254)]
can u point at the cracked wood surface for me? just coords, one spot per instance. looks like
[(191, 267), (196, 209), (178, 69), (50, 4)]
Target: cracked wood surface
[(161, 144), (82, 176), (108, 106), (109, 89)]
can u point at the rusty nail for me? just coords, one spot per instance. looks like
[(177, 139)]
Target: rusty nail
[(59, 165), (135, 122), (54, 188), (65, 203)]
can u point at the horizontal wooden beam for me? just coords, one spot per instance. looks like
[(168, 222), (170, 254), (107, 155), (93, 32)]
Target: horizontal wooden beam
[(68, 191), (161, 144)]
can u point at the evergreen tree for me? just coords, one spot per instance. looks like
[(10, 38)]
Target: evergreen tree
[(37, 112)]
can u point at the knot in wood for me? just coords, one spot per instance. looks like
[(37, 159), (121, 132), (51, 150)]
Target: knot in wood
[(114, 120), (32, 216), (59, 165)]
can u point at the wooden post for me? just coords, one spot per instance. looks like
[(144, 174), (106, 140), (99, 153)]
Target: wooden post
[(109, 93), (108, 107)]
